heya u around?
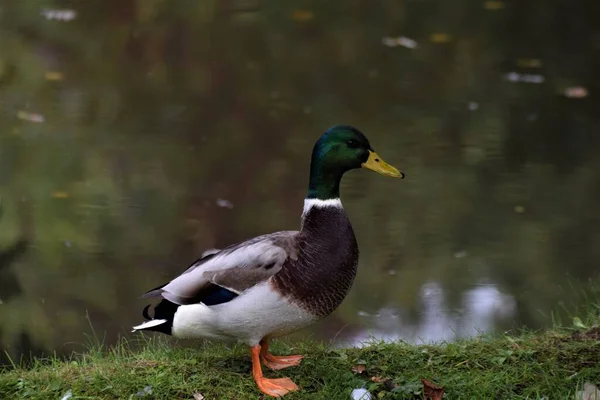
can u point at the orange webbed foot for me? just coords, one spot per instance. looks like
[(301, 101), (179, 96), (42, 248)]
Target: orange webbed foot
[(271, 387), (281, 362), (277, 362), (276, 387)]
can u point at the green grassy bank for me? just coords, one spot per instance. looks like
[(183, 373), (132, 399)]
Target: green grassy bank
[(552, 365)]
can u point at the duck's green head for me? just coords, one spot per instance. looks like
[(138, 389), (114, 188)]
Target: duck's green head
[(340, 149)]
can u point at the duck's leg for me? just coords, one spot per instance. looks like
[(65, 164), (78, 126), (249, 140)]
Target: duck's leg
[(271, 387), (277, 362)]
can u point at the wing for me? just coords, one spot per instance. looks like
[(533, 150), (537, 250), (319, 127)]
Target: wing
[(221, 275)]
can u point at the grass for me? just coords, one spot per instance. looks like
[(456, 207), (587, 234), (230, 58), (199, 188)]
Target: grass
[(554, 364)]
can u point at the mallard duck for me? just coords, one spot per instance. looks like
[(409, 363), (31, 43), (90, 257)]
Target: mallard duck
[(278, 283)]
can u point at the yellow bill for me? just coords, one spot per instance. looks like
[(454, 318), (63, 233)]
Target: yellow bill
[(375, 163)]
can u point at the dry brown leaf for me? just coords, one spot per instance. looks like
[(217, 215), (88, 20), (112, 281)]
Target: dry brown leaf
[(431, 391), (529, 62), (60, 194), (302, 15), (358, 369), (387, 382), (493, 5), (440, 37), (53, 76)]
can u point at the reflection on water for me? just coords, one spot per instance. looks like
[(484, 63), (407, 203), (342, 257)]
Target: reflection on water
[(136, 134), (480, 309)]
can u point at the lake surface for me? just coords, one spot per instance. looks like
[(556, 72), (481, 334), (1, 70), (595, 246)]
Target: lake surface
[(136, 134)]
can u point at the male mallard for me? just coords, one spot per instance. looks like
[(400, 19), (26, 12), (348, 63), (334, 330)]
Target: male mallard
[(275, 284)]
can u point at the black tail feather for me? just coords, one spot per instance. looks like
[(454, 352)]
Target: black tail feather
[(145, 313), (164, 310)]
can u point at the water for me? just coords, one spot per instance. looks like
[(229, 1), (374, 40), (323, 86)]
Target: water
[(135, 135)]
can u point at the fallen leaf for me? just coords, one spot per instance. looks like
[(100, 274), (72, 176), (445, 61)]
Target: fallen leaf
[(60, 195), (358, 369), (388, 384), (31, 117), (431, 391), (198, 396), (576, 92), (440, 37), (302, 15), (53, 76), (529, 62), (493, 5)]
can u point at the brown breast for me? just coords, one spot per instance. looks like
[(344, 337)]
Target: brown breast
[(320, 276)]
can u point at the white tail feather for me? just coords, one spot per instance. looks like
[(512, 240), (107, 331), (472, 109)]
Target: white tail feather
[(149, 324)]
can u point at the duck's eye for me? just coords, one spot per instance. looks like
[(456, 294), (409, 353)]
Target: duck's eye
[(352, 143)]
